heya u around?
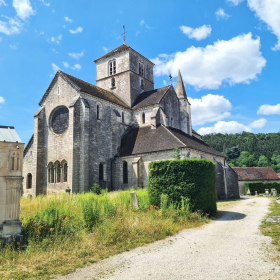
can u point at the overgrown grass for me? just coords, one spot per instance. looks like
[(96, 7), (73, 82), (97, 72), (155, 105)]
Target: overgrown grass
[(272, 230), (62, 233)]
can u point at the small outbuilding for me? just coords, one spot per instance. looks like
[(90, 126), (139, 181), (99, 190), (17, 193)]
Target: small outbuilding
[(255, 174)]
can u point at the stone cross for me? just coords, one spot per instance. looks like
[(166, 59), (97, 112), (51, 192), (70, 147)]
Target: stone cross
[(170, 77), (124, 32)]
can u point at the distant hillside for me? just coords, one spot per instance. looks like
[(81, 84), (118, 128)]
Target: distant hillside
[(247, 149)]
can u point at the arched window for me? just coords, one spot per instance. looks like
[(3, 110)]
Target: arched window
[(113, 83), (141, 69), (125, 173), (65, 167), (29, 181), (58, 172), (101, 172), (97, 112), (13, 161), (122, 117), (143, 118), (112, 67), (52, 174)]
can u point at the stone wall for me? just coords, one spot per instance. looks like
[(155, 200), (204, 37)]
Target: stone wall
[(242, 188)]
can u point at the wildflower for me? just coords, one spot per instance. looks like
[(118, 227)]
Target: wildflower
[(52, 229), (18, 243)]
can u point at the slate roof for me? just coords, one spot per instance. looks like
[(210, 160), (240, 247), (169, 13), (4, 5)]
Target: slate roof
[(119, 49), (149, 98), (8, 134), (146, 140), (95, 90), (255, 173)]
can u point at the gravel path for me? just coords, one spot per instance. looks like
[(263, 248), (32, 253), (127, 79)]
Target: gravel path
[(231, 247)]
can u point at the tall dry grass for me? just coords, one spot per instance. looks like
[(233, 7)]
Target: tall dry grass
[(62, 233)]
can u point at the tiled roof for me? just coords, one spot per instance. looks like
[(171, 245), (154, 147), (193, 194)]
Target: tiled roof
[(8, 134), (147, 140), (194, 132), (149, 98), (95, 90), (255, 173)]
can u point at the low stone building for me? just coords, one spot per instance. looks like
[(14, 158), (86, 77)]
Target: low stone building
[(254, 174), (108, 133), (11, 160)]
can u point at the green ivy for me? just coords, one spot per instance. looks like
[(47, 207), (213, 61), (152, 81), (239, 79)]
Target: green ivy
[(260, 187)]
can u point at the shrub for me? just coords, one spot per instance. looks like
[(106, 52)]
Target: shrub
[(260, 187), (189, 178), (96, 189)]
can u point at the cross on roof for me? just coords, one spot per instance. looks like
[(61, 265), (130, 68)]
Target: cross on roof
[(170, 77), (124, 33)]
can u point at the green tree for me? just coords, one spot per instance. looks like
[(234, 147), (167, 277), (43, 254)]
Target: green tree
[(263, 161), (233, 153)]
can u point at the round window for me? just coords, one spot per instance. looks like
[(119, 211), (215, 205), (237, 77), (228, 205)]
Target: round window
[(60, 120)]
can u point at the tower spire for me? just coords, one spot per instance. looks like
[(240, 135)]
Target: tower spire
[(180, 88)]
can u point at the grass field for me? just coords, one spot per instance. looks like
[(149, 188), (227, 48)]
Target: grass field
[(62, 233)]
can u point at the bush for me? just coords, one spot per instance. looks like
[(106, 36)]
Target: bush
[(260, 187), (192, 179), (96, 189)]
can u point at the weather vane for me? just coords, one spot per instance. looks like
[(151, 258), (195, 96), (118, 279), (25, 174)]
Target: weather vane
[(170, 79), (124, 33)]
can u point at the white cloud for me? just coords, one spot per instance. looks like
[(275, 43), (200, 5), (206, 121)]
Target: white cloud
[(235, 2), (23, 9), (220, 14), (164, 82), (2, 100), (68, 19), (77, 30), (105, 49), (224, 127), (142, 22), (258, 123), (45, 3), (198, 33), (76, 55), (269, 12), (11, 27), (77, 67), (54, 50), (65, 64), (56, 39), (2, 2), (13, 47), (269, 110), (55, 67), (209, 108), (238, 60)]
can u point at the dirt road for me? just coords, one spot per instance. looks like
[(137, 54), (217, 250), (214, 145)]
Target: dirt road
[(231, 247)]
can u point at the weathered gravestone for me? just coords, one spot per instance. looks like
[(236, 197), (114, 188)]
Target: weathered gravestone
[(11, 158)]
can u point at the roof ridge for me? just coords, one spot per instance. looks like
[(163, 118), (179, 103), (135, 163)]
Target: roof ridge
[(173, 135), (169, 86)]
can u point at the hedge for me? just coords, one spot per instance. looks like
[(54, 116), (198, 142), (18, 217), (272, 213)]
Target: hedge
[(189, 178), (260, 187)]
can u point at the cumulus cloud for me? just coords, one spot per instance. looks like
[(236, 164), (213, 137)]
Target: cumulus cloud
[(76, 55), (235, 2), (68, 19), (220, 14), (56, 39), (55, 67), (209, 108), (2, 2), (224, 127), (269, 109), (235, 61), (77, 30), (65, 64), (258, 123), (198, 33), (77, 67), (269, 12), (2, 100), (23, 9), (13, 47), (12, 26)]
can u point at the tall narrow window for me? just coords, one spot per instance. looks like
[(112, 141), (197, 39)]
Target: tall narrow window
[(58, 170), (97, 112), (58, 90), (113, 82), (125, 173), (141, 69), (29, 181), (52, 174), (112, 67), (142, 84), (101, 172), (143, 118), (13, 162), (65, 172), (122, 117)]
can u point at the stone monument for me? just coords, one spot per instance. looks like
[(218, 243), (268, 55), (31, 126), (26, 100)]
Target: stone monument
[(11, 159)]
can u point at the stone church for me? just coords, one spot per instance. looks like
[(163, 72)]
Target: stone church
[(108, 133)]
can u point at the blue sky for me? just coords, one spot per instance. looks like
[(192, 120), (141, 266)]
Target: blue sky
[(228, 52)]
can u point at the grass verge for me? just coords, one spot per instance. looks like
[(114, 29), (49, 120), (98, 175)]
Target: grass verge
[(63, 233)]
